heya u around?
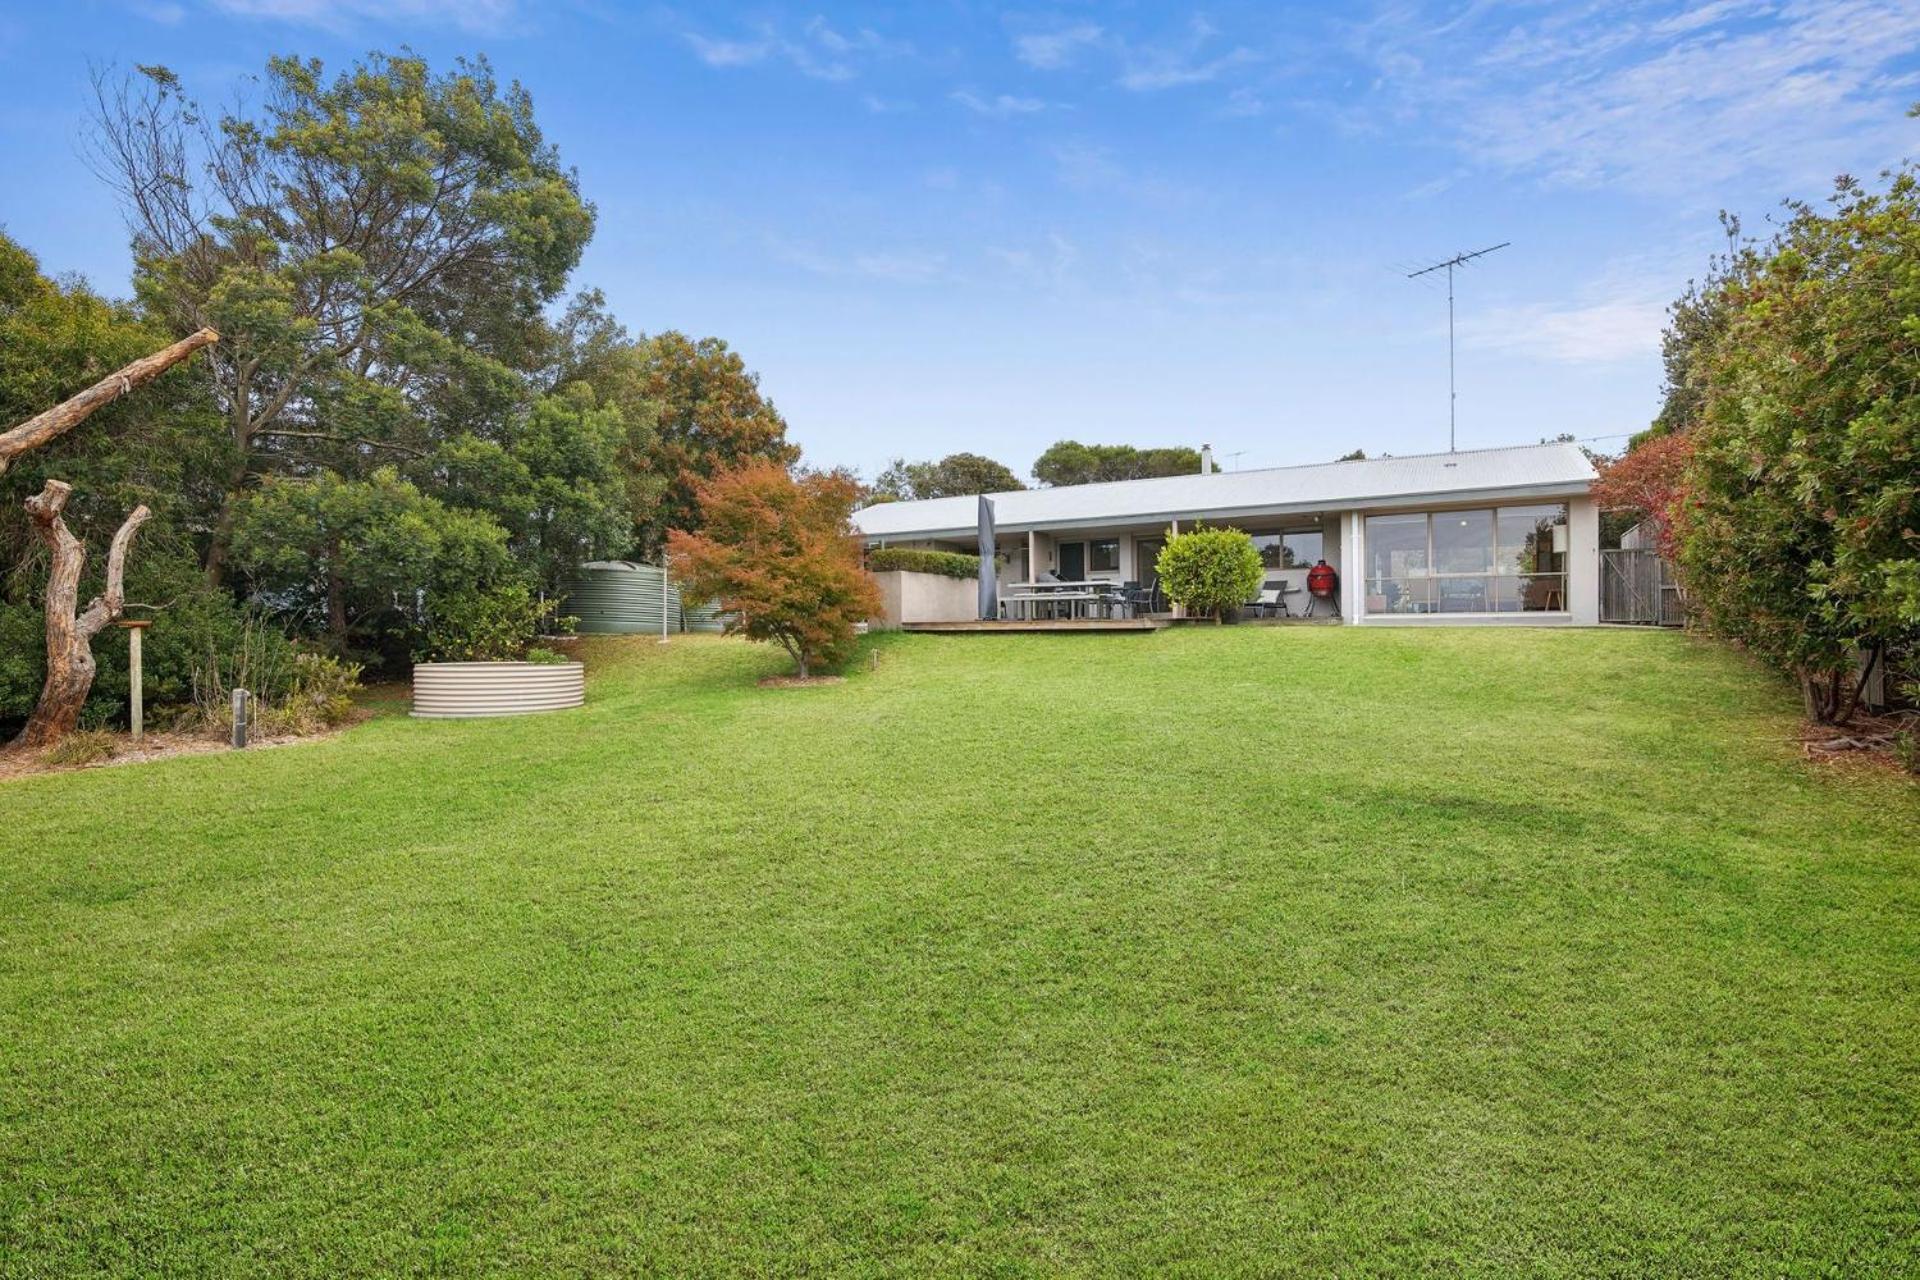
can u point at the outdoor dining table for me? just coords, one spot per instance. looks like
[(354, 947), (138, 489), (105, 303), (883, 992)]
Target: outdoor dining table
[(1096, 591)]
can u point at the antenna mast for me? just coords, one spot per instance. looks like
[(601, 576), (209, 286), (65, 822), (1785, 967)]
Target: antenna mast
[(1457, 260)]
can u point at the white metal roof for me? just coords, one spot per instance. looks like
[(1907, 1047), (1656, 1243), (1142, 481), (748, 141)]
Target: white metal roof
[(1525, 471)]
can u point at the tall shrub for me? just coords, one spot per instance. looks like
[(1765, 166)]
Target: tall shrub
[(778, 553), (1800, 525), (1210, 571), (1788, 486)]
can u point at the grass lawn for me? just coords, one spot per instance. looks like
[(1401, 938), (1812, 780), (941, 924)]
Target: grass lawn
[(1218, 951)]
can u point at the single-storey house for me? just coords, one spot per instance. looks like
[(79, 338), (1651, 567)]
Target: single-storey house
[(1492, 536)]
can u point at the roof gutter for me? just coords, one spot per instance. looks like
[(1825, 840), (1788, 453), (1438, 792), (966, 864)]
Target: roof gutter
[(1397, 502)]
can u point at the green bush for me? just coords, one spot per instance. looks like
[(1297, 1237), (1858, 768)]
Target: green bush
[(199, 635), (544, 657), (492, 625), (948, 564), (1210, 571)]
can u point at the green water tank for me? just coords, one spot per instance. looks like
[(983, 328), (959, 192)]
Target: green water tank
[(620, 598)]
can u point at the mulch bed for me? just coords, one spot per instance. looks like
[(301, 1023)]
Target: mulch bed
[(18, 763), (795, 682)]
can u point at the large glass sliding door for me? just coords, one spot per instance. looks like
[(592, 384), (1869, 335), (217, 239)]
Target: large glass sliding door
[(1483, 560)]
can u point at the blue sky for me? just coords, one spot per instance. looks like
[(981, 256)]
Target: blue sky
[(958, 226)]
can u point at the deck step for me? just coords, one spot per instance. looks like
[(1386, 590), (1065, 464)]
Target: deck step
[(1042, 624)]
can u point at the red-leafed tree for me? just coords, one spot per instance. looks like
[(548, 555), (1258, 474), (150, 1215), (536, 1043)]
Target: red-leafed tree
[(778, 554), (1650, 480)]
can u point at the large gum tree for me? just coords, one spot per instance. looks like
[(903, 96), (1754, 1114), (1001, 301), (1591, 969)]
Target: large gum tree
[(360, 241)]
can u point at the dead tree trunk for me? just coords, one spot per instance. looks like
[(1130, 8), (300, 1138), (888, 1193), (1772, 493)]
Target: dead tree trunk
[(69, 634), (68, 414)]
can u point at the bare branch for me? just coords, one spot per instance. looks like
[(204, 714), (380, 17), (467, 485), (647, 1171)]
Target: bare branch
[(68, 414)]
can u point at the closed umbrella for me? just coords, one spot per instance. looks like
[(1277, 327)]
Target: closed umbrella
[(989, 594)]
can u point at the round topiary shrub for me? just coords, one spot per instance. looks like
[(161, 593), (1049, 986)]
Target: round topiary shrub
[(1210, 570)]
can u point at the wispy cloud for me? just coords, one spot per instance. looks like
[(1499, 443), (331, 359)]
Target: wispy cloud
[(483, 16), (903, 266), (1659, 98), (1050, 266), (1601, 332), (1051, 50), (819, 50), (164, 12), (1146, 68), (1000, 106)]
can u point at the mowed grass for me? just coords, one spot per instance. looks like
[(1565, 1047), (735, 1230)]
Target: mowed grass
[(1218, 951)]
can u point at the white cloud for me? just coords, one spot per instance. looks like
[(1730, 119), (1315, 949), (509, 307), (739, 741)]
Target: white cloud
[(488, 16), (1662, 100), (907, 266), (164, 12), (729, 53), (820, 51), (1601, 332), (1051, 50), (1147, 68), (1159, 72), (1049, 267), (1000, 106)]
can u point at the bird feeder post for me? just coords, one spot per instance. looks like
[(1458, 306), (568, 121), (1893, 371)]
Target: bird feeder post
[(136, 703)]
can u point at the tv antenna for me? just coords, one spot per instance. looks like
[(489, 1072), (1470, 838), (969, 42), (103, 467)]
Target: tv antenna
[(1457, 260)]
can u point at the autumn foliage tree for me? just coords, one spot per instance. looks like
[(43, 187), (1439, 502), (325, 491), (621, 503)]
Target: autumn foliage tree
[(1650, 481), (778, 553), (712, 418)]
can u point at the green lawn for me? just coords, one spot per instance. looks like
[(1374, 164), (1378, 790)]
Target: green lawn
[(1217, 951)]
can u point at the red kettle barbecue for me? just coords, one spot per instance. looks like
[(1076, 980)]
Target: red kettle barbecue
[(1323, 584)]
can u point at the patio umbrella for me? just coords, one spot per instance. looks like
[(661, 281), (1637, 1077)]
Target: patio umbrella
[(989, 598)]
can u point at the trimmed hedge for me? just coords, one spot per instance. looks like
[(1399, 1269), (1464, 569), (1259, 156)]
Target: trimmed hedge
[(948, 564)]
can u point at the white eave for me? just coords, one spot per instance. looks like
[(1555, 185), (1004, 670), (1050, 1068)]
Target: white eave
[(1519, 473)]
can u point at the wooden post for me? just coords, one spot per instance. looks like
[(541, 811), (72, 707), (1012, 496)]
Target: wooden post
[(663, 597), (136, 709)]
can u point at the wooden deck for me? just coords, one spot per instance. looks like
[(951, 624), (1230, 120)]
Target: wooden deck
[(1041, 624)]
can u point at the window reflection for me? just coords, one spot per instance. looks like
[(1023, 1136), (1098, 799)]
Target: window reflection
[(1481, 560)]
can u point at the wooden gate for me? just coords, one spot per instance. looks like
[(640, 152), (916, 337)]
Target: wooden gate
[(1635, 587)]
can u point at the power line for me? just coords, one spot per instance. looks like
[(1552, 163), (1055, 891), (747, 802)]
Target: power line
[(1457, 260)]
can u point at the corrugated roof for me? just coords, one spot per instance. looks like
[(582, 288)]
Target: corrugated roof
[(1534, 470)]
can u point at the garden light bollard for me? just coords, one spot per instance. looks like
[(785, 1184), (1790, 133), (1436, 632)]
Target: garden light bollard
[(240, 701), (136, 702)]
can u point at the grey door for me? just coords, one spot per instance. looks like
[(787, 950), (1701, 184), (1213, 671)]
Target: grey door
[(1073, 561)]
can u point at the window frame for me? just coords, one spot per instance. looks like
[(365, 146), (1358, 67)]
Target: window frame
[(1428, 588)]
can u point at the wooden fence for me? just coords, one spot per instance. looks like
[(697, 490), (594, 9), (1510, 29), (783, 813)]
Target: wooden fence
[(1637, 587)]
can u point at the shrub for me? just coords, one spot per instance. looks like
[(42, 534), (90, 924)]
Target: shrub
[(492, 625), (544, 657), (948, 564), (293, 692), (1210, 570)]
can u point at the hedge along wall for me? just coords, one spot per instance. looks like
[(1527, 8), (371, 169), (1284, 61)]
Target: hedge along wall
[(948, 564)]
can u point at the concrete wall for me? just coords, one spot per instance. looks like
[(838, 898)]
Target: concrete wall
[(1583, 562), (925, 597)]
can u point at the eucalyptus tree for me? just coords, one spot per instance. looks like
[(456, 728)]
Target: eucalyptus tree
[(374, 247)]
